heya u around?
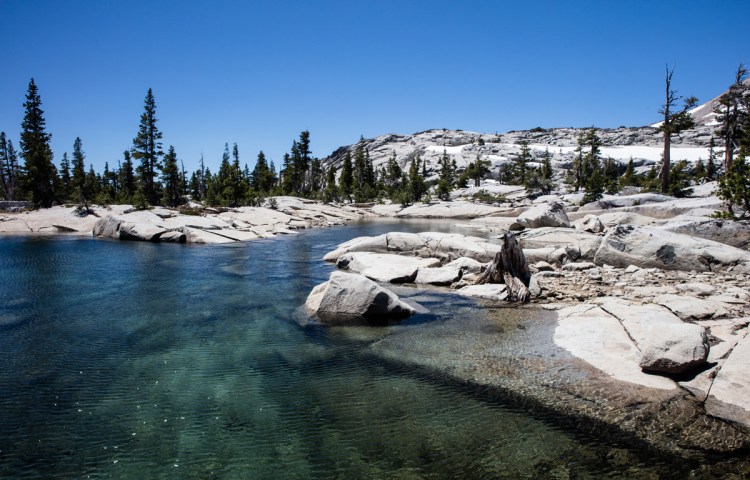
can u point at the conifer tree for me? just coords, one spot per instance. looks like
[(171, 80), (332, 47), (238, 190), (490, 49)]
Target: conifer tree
[(478, 169), (126, 179), (9, 168), (731, 112), (610, 174), (520, 163), (237, 184), (392, 174), (360, 172), (330, 194), (591, 173), (346, 180), (147, 149), (170, 178), (65, 178), (288, 176), (40, 172), (446, 181), (316, 176), (78, 180), (629, 178), (672, 124), (417, 186), (92, 184)]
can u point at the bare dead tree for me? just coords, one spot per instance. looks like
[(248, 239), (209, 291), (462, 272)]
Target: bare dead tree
[(511, 268), (673, 123)]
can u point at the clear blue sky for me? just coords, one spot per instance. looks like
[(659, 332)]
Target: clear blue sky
[(257, 73)]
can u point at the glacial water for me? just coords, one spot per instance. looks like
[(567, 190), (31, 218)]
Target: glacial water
[(137, 360)]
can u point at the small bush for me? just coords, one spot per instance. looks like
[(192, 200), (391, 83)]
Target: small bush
[(483, 196)]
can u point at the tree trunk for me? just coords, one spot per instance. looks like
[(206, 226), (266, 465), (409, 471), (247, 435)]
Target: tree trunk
[(510, 267), (665, 165)]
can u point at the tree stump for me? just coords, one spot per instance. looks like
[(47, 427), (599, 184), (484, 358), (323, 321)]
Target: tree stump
[(510, 267)]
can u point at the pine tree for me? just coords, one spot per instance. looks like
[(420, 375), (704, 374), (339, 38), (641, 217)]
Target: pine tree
[(170, 178), (392, 174), (92, 184), (673, 124), (65, 178), (611, 173), (417, 186), (520, 162), (591, 173), (238, 187), (262, 178), (330, 194), (288, 176), (108, 187), (40, 172), (629, 178), (446, 180), (78, 181), (346, 180), (9, 168), (126, 179), (730, 115), (478, 169), (316, 176), (360, 172), (302, 158), (147, 149)]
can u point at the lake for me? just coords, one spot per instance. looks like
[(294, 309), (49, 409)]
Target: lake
[(138, 360)]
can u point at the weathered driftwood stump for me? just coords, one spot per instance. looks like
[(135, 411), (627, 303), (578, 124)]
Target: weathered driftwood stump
[(510, 267)]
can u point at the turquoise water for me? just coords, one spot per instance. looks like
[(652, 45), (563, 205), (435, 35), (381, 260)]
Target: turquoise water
[(137, 360)]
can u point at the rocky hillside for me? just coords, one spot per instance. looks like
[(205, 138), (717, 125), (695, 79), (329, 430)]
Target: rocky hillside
[(642, 144)]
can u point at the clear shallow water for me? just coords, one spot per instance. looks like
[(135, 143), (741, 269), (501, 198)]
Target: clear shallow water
[(137, 360)]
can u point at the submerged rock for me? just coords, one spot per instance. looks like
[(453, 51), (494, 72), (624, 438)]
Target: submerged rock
[(347, 297)]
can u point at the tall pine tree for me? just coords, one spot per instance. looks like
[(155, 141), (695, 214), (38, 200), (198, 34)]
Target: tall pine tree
[(147, 149), (171, 180), (40, 172)]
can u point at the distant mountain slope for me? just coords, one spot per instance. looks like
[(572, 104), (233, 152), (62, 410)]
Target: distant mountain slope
[(643, 144)]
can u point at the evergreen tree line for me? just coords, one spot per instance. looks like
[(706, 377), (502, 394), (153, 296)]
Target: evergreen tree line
[(147, 176)]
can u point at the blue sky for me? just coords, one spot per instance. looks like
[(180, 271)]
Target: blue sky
[(257, 73)]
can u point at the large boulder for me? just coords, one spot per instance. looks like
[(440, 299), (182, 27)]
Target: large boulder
[(146, 232), (578, 244), (544, 215), (674, 348), (347, 297), (649, 247), (108, 227), (384, 267)]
